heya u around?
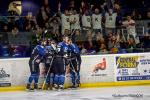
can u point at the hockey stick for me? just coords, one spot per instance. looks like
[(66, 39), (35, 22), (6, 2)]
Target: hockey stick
[(73, 69), (78, 70), (47, 73)]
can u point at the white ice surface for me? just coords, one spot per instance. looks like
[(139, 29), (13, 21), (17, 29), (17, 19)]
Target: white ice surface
[(109, 93)]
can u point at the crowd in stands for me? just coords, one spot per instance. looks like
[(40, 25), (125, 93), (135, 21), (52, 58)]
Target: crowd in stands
[(95, 25)]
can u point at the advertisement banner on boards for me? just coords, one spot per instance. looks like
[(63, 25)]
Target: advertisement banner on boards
[(5, 74), (133, 67), (14, 72), (98, 68)]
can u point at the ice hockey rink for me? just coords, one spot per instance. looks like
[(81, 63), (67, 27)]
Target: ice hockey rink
[(104, 93)]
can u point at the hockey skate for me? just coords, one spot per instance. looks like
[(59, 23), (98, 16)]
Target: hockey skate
[(55, 87), (60, 87), (28, 88)]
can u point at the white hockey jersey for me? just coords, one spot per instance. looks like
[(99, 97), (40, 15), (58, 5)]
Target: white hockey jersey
[(65, 21), (76, 19), (110, 20), (86, 21), (97, 21)]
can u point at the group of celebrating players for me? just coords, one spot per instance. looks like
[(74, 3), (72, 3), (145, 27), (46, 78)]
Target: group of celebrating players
[(57, 58)]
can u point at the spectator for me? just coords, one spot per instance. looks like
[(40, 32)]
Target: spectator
[(72, 4), (65, 22), (75, 21), (86, 23), (84, 7), (5, 28), (15, 31), (16, 51), (117, 8), (96, 21), (109, 36), (48, 26), (103, 49), (28, 28), (29, 23), (77, 36), (98, 40), (130, 26), (123, 41), (110, 21), (89, 40), (42, 17), (75, 25), (56, 23), (48, 11), (113, 43), (57, 36), (82, 48), (131, 45)]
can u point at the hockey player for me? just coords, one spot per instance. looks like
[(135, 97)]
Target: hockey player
[(49, 56), (75, 62), (59, 64), (36, 57)]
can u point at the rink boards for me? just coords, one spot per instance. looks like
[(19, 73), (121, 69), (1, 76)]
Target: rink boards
[(96, 71)]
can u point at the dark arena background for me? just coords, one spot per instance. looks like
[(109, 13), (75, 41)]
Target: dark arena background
[(75, 49)]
